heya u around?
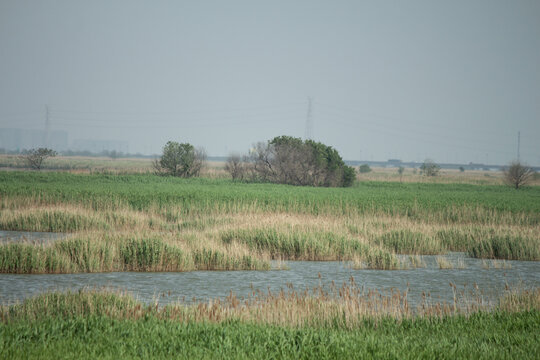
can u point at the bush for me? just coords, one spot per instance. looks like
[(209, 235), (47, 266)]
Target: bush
[(429, 168), (35, 157), (235, 166), (517, 174), (181, 160), (364, 168)]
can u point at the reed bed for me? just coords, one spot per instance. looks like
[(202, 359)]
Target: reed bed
[(217, 224), (120, 253), (345, 307)]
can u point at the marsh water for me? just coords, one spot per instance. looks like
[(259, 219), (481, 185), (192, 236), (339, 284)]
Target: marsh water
[(204, 285)]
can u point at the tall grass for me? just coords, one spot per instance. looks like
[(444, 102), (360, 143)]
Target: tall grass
[(506, 247), (118, 254), (345, 307), (446, 203), (218, 224)]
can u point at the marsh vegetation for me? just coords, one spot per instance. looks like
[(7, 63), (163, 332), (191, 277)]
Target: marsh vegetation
[(149, 223), (140, 222)]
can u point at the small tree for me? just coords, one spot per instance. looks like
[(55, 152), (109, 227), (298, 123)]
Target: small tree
[(114, 154), (430, 168), (517, 174), (364, 169), (181, 160), (36, 157), (400, 171), (236, 167)]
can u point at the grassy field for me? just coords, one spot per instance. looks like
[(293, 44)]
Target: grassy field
[(98, 324), (149, 223)]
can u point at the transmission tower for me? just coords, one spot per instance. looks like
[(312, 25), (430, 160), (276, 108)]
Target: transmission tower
[(309, 121)]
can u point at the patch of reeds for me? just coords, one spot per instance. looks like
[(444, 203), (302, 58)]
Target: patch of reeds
[(347, 306), (51, 221), (405, 241), (506, 247), (293, 244), (444, 262), (118, 254), (377, 259), (496, 264), (416, 261)]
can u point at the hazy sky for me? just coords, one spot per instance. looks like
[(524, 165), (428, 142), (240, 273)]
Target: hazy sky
[(449, 80)]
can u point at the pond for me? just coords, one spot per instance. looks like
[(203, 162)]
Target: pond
[(204, 285)]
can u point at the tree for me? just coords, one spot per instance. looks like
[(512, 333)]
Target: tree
[(430, 168), (181, 160), (289, 160), (400, 171), (364, 168), (517, 174), (235, 166), (113, 154), (36, 157)]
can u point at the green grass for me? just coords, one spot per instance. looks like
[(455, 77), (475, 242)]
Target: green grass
[(104, 325), (425, 201), (482, 336)]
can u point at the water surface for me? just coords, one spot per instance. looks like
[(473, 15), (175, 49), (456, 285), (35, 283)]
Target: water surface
[(204, 285)]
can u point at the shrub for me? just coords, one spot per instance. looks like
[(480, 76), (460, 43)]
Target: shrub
[(181, 160), (364, 168)]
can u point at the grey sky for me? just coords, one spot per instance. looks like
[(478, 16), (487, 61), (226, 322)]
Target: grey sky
[(450, 80)]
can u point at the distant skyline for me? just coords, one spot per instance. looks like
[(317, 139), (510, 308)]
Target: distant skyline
[(452, 81)]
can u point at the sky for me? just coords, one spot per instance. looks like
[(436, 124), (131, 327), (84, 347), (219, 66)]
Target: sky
[(453, 81)]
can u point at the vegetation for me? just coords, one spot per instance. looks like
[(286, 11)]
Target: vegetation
[(105, 254), (285, 325), (289, 160), (364, 168), (144, 222), (173, 224), (518, 175), (236, 167), (181, 160), (35, 157), (400, 171), (430, 168)]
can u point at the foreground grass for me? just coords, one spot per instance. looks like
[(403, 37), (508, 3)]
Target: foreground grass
[(93, 324), (150, 223), (481, 336)]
